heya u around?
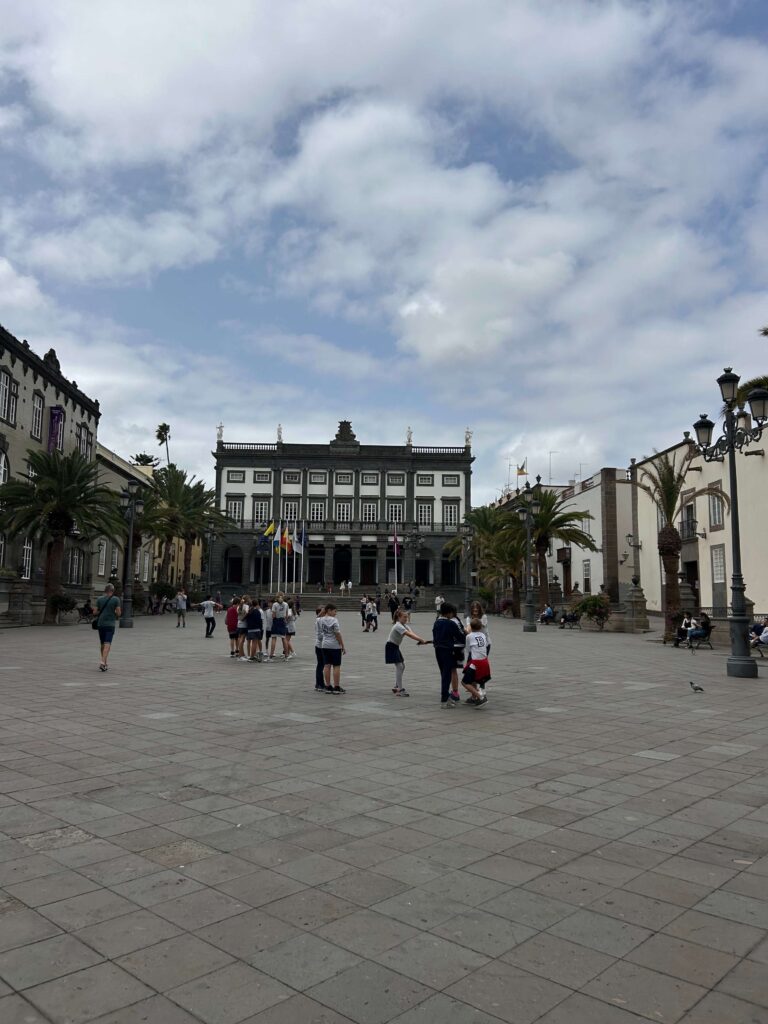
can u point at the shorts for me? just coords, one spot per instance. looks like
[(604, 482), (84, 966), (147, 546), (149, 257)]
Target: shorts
[(233, 634), (332, 656), (392, 654), (477, 672), (254, 634), (106, 634), (278, 627)]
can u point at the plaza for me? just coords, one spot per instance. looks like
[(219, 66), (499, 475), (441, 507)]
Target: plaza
[(192, 839)]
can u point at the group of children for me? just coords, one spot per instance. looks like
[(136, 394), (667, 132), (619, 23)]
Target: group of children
[(251, 622), (455, 645)]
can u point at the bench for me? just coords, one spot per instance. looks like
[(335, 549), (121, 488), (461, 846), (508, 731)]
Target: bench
[(571, 620), (759, 649), (703, 640)]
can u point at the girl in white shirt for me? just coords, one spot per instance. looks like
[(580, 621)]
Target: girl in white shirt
[(476, 612)]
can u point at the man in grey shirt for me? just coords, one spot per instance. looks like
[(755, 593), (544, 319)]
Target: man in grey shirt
[(181, 608)]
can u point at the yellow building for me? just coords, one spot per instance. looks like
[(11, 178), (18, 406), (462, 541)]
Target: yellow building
[(176, 567)]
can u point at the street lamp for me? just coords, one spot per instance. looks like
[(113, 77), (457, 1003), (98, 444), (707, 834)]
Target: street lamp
[(412, 542), (739, 434), (529, 508), (132, 505), (466, 531)]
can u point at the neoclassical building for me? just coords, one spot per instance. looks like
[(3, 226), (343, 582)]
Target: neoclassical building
[(353, 500)]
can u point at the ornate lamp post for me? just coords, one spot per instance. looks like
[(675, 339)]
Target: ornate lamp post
[(132, 505), (412, 542), (739, 434), (528, 509), (467, 533)]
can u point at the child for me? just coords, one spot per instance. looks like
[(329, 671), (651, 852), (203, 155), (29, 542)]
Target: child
[(333, 648), (319, 682), (266, 609), (476, 612), (458, 655), (447, 636), (242, 629), (477, 671), (392, 653), (230, 621), (290, 631), (254, 626)]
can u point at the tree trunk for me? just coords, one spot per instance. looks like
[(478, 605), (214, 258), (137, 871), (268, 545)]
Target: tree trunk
[(187, 563), (54, 564), (166, 563), (671, 565), (516, 610), (541, 559)]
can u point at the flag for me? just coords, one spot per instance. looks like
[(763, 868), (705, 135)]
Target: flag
[(285, 540), (269, 530), (523, 470), (299, 538), (275, 537)]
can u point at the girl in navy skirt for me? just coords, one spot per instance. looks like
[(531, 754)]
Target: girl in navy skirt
[(392, 653)]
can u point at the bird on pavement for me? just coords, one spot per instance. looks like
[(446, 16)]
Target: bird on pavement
[(695, 688)]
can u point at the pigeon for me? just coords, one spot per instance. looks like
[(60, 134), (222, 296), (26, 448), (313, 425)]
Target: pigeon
[(695, 688)]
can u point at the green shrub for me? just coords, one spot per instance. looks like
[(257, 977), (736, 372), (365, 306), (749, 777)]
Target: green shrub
[(63, 603), (595, 607)]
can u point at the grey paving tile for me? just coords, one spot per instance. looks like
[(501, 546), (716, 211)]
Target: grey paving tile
[(682, 959), (51, 888), (369, 993), (734, 907), (581, 1009), (90, 908), (715, 932), (420, 908), (441, 1009), (432, 960), (747, 981), (637, 909), (366, 932), (123, 934), (156, 1010), (298, 1009), (310, 908), (261, 886), (246, 935), (506, 869), (559, 960), (173, 962), (16, 1010), (364, 887), (42, 961), (19, 927), (506, 992), (87, 994), (149, 890), (645, 992), (229, 995), (718, 1008), (304, 960), (600, 932), (483, 932)]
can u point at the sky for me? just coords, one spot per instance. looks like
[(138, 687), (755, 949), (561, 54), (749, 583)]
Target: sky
[(543, 220)]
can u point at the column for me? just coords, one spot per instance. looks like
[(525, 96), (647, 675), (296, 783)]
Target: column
[(381, 561), (328, 545), (355, 569)]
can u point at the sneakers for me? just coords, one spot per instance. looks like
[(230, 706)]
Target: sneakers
[(233, 654), (328, 689), (319, 689), (455, 698), (481, 690), (401, 693), (291, 655), (479, 703), (445, 704), (338, 689), (471, 700), (241, 658)]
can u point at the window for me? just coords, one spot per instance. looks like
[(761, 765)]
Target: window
[(423, 513), (716, 506), (451, 480), (113, 562), (395, 479), (718, 564), (425, 479), (395, 512), (260, 511), (235, 476), (291, 477), (235, 509), (316, 511), (262, 476), (2, 550), (318, 478), (38, 407), (369, 478), (451, 514), (550, 573), (586, 567), (369, 511), (83, 440), (137, 564), (4, 468), (5, 394), (75, 558), (291, 510), (102, 564), (56, 429), (26, 559), (13, 402), (145, 574), (343, 511), (343, 478)]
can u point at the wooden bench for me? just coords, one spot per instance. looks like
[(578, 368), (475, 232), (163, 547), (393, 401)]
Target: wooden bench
[(703, 641), (570, 621)]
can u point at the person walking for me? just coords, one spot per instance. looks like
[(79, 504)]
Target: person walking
[(279, 615), (439, 601), (393, 604), (290, 630), (363, 606), (447, 636), (108, 611), (208, 607), (242, 629), (393, 654), (254, 630), (181, 608), (333, 649), (230, 621)]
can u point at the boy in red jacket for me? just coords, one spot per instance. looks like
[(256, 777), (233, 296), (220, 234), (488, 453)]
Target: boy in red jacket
[(230, 621)]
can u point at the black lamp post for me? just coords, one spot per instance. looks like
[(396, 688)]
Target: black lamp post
[(467, 532), (739, 433), (529, 508), (132, 505)]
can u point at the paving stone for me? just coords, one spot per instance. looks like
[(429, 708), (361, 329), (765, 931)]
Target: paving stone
[(366, 932), (51, 888), (467, 888), (420, 908), (90, 908), (22, 926), (149, 890), (581, 1009), (432, 960), (506, 869), (715, 932), (747, 981), (15, 1010), (369, 993), (173, 962), (734, 907), (637, 909), (364, 887), (718, 1008), (298, 1009), (310, 908), (304, 960), (156, 1010), (558, 960), (529, 908), (41, 961), (441, 1009), (124, 934), (568, 888), (246, 935), (508, 993), (483, 932), (229, 995), (87, 994), (600, 932), (682, 959), (646, 992)]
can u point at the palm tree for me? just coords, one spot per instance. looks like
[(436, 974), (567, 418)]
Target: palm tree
[(62, 498), (556, 520), (163, 435), (201, 516), (165, 511), (664, 481), (143, 459), (504, 560)]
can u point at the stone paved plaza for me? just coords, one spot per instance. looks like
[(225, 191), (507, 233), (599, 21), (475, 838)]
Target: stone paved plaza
[(191, 839)]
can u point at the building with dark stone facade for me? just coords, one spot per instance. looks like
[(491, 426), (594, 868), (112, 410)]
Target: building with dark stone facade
[(353, 500)]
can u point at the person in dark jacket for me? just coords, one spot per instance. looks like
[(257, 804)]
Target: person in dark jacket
[(447, 637)]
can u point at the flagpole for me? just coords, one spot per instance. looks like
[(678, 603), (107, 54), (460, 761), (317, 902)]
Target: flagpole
[(278, 535), (271, 558), (295, 527), (303, 546), (394, 546)]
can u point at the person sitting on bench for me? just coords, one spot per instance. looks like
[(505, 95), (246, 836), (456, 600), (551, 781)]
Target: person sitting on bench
[(685, 627), (762, 639), (547, 615), (701, 630), (569, 619)]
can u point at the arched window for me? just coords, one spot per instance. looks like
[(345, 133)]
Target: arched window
[(26, 559), (5, 470)]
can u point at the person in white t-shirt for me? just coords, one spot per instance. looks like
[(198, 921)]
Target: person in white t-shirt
[(393, 654), (476, 612), (477, 670), (332, 644), (208, 607)]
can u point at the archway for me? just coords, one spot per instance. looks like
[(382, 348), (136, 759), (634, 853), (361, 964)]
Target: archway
[(424, 568), (233, 565), (342, 564)]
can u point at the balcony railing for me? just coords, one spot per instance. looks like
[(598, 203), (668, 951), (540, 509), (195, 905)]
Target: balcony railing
[(687, 529), (258, 526)]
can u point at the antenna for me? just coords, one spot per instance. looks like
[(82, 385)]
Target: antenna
[(553, 452)]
